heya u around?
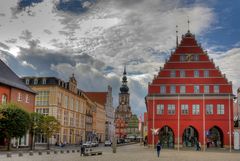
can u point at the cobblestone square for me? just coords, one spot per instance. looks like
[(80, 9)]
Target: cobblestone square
[(132, 153)]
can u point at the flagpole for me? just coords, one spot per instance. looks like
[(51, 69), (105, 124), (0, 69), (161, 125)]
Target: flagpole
[(229, 119), (153, 124), (178, 123), (204, 125)]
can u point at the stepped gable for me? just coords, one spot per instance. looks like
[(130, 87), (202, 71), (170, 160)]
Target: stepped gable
[(189, 56)]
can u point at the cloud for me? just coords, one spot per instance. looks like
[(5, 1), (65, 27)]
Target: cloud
[(4, 46), (230, 67), (94, 39)]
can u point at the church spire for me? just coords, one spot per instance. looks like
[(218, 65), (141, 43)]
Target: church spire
[(188, 25), (124, 88), (176, 35)]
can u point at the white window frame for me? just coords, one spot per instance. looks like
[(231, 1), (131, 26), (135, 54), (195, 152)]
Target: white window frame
[(171, 109), (209, 109), (173, 89), (220, 109), (184, 109), (196, 89), (182, 89), (160, 109), (216, 88), (206, 89), (195, 109)]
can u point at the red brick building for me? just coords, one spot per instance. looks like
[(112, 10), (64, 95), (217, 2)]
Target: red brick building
[(13, 90), (190, 100)]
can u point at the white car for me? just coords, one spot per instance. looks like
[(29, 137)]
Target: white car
[(87, 144), (107, 143)]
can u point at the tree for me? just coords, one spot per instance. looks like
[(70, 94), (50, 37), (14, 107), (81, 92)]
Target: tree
[(35, 127), (14, 122), (49, 127)]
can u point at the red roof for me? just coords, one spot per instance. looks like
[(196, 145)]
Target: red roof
[(99, 97)]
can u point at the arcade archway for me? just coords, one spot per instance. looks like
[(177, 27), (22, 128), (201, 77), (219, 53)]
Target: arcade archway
[(190, 137), (215, 137), (166, 137)]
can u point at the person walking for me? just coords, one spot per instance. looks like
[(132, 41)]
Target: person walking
[(82, 150), (159, 147)]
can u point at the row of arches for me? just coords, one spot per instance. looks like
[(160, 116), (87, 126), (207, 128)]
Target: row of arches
[(190, 137)]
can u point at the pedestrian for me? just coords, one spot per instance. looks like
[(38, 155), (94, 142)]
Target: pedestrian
[(159, 147), (82, 150), (198, 146)]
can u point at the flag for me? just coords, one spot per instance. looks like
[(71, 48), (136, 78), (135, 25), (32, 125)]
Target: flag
[(140, 122)]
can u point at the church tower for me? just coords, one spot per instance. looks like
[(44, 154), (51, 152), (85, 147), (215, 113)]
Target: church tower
[(123, 112)]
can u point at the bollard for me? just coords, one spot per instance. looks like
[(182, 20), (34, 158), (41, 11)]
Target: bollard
[(9, 155), (20, 154), (73, 151), (114, 145), (31, 153), (78, 150), (39, 153), (48, 152), (55, 151), (62, 151), (67, 151)]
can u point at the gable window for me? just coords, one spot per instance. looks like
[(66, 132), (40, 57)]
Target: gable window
[(196, 57), (173, 73), (206, 73), (195, 109), (182, 73), (184, 109), (196, 89), (4, 99), (160, 109), (163, 89), (182, 89), (172, 89), (196, 73), (216, 89), (206, 89), (182, 58)]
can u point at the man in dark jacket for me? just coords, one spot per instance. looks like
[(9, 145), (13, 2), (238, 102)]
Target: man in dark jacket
[(159, 147), (82, 150)]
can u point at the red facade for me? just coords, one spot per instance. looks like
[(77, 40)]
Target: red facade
[(190, 100)]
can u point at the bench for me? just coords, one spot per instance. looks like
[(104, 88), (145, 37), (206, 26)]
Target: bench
[(91, 153)]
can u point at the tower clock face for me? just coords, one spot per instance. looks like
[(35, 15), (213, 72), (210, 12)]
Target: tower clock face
[(189, 57)]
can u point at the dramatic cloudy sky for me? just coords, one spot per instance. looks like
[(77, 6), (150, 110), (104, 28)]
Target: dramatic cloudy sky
[(95, 38)]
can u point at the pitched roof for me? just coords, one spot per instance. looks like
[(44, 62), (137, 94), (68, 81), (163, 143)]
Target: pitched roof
[(8, 77), (99, 97)]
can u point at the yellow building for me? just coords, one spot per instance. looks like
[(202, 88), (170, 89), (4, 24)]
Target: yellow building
[(65, 102)]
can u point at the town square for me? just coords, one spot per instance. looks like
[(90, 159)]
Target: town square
[(119, 80)]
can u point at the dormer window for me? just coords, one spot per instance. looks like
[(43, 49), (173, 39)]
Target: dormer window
[(44, 81), (27, 81), (35, 81)]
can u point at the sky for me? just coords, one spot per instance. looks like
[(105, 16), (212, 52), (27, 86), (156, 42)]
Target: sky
[(94, 39)]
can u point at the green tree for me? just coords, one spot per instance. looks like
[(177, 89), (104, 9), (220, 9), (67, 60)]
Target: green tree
[(14, 122), (35, 127), (49, 127)]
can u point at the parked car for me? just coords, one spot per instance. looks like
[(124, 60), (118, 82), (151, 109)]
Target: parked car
[(87, 144), (95, 143), (107, 143)]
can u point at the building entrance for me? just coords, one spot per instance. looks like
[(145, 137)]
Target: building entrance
[(166, 137), (215, 137), (190, 137)]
